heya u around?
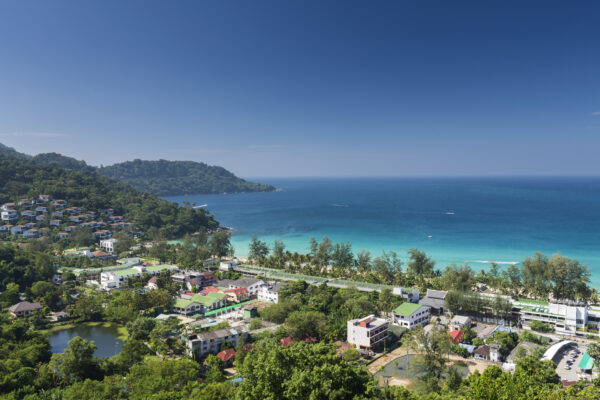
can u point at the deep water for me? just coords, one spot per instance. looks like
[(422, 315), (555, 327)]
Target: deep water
[(455, 220)]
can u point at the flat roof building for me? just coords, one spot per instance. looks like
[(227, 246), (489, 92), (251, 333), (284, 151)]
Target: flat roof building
[(367, 332)]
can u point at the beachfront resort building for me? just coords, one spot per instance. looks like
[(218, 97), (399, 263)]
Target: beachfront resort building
[(367, 332), (409, 315), (565, 317)]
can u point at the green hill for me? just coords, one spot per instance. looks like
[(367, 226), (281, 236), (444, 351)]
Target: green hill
[(58, 160), (6, 151), (85, 187), (171, 178), (162, 177)]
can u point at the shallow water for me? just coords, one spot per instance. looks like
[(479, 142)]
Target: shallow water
[(403, 368)]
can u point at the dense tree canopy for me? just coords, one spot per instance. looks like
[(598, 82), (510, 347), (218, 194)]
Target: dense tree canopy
[(172, 178), (92, 191)]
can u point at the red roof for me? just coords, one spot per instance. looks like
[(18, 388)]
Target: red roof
[(209, 276), (210, 289), (99, 253), (226, 355), (310, 339), (286, 341), (457, 336), (238, 291)]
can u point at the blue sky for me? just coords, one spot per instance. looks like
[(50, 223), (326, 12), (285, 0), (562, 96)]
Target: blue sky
[(311, 88)]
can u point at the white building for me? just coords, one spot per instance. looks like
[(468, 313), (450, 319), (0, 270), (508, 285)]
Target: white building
[(565, 318), (459, 322), (210, 342), (411, 295), (367, 332), (108, 245), (410, 315), (114, 279), (270, 292), (8, 206), (251, 284), (9, 215), (228, 265)]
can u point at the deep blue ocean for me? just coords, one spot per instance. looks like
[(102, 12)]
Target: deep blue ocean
[(455, 220)]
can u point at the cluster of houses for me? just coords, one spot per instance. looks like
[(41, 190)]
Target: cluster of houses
[(32, 218), (564, 318), (207, 294)]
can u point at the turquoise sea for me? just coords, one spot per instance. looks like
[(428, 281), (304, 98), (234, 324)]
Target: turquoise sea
[(455, 220)]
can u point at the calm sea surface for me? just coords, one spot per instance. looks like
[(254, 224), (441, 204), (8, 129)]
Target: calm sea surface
[(455, 220)]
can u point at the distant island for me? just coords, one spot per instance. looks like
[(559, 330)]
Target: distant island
[(162, 177), (173, 178)]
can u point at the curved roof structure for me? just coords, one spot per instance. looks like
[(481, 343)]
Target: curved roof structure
[(554, 349)]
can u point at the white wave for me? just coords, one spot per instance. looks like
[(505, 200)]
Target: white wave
[(496, 262), (202, 206), (449, 212), (340, 205)]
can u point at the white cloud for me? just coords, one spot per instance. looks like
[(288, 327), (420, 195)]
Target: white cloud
[(34, 134), (596, 113)]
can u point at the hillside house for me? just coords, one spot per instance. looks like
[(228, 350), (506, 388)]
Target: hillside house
[(24, 309), (9, 215), (31, 233)]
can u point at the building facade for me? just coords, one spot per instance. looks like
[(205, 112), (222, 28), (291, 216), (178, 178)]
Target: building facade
[(367, 332), (410, 315)]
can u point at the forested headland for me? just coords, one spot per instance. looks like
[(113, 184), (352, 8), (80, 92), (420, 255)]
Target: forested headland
[(160, 177), (172, 178)]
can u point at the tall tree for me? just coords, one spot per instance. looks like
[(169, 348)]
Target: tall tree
[(363, 261), (388, 268), (419, 264), (278, 253), (77, 362), (342, 258), (220, 243), (536, 275), (257, 249), (512, 276), (459, 278), (433, 348)]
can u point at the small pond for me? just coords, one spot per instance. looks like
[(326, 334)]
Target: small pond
[(401, 368), (105, 337)]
